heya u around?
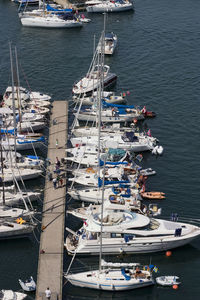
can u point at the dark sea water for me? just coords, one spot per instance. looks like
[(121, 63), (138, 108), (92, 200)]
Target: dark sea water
[(158, 60)]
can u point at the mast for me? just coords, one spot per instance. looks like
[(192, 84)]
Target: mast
[(2, 167), (101, 86), (18, 90), (13, 99)]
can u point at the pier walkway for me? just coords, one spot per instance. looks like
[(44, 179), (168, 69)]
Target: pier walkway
[(50, 264)]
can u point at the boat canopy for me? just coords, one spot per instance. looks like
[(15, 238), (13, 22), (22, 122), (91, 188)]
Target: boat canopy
[(129, 137), (106, 182), (109, 36), (106, 104), (117, 265), (101, 163), (50, 8)]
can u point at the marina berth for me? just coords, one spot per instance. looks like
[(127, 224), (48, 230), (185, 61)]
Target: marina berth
[(158, 235)]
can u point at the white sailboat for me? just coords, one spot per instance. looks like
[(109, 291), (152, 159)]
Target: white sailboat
[(109, 6)]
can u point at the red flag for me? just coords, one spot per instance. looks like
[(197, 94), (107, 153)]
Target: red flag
[(149, 132)]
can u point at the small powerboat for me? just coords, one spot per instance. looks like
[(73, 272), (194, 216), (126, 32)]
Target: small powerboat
[(168, 280), (29, 285), (157, 150), (152, 195)]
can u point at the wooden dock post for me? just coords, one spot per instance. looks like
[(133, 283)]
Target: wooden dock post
[(50, 264)]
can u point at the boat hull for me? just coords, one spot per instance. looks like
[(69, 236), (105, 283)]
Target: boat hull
[(135, 246)]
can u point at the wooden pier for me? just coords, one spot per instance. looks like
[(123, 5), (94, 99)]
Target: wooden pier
[(50, 264)]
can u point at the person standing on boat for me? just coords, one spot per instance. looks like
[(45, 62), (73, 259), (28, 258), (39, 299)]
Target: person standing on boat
[(48, 293)]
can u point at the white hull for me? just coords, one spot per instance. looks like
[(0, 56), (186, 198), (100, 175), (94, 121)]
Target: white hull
[(91, 117), (109, 7), (24, 174), (11, 295), (9, 230), (48, 22), (108, 280), (91, 81), (136, 246), (11, 198)]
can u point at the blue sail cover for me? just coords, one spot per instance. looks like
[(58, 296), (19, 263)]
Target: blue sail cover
[(11, 131), (105, 104), (32, 157), (106, 182), (101, 163), (50, 8)]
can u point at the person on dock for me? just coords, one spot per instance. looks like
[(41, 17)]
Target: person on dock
[(58, 164), (56, 143), (55, 183), (48, 293)]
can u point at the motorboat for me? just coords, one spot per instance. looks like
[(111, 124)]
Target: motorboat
[(50, 21), (152, 195), (158, 235), (28, 285), (113, 277), (110, 6), (91, 81), (110, 43), (168, 280), (26, 94), (23, 127), (11, 295)]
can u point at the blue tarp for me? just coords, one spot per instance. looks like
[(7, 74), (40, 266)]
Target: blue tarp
[(32, 157), (101, 163), (127, 277), (105, 104), (50, 8), (106, 182), (11, 131)]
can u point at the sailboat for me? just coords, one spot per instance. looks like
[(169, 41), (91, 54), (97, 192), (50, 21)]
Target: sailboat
[(49, 18)]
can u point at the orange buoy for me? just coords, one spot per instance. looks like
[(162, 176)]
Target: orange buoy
[(175, 286), (168, 253)]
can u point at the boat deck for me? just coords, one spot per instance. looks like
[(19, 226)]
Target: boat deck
[(50, 264)]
